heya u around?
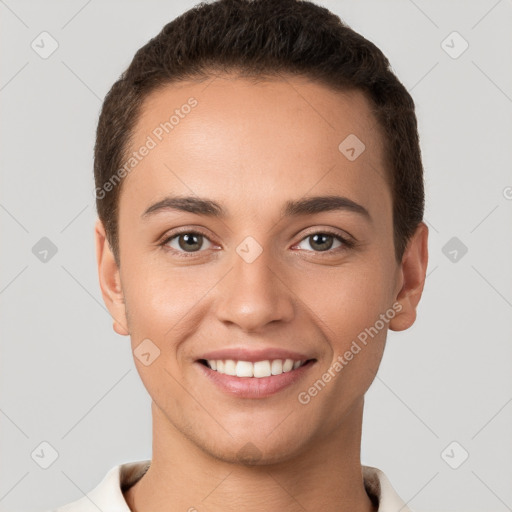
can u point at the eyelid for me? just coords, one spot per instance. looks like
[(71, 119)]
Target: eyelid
[(166, 238), (347, 241), (343, 235)]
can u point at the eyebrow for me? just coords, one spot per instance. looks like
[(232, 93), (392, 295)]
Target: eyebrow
[(210, 208)]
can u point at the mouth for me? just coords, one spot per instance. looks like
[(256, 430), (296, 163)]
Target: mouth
[(254, 379), (257, 369)]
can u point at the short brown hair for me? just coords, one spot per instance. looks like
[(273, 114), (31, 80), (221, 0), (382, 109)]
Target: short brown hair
[(258, 38)]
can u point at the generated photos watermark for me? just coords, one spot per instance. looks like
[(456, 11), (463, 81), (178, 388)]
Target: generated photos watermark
[(157, 135), (304, 397)]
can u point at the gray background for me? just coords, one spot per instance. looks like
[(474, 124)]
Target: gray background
[(67, 379)]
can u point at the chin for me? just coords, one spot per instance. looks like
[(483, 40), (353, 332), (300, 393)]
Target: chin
[(256, 450)]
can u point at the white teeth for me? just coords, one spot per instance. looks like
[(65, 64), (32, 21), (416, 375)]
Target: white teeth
[(244, 369), (257, 369), (287, 365), (229, 367), (262, 369), (277, 367)]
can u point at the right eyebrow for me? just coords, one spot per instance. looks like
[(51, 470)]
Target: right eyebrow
[(186, 204)]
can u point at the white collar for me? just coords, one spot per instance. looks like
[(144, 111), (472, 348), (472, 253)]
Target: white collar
[(108, 494)]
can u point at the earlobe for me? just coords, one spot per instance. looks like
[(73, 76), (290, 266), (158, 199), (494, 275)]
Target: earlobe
[(413, 272), (110, 280)]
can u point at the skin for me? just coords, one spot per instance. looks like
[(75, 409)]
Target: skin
[(252, 147)]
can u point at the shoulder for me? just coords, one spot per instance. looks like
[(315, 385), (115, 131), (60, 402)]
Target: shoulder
[(381, 492), (108, 494)]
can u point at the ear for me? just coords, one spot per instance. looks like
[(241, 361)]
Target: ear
[(110, 281), (412, 275)]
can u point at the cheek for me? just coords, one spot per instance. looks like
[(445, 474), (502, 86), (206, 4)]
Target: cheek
[(346, 300), (165, 302), (348, 304)]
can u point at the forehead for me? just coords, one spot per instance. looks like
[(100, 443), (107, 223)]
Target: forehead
[(226, 104), (231, 137)]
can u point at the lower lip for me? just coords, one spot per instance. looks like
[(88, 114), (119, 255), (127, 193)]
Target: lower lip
[(252, 387)]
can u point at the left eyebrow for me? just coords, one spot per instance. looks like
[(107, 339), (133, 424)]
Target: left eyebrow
[(304, 206), (318, 204)]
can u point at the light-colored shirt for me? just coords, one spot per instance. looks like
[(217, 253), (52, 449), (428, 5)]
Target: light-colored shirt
[(107, 496)]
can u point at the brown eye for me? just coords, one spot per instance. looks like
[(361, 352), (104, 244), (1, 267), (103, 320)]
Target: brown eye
[(323, 241), (189, 241)]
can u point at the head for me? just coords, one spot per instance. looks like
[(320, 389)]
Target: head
[(259, 186)]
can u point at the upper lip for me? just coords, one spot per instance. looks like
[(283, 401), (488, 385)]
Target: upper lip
[(244, 354)]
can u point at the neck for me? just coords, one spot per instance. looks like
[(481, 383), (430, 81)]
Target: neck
[(184, 477)]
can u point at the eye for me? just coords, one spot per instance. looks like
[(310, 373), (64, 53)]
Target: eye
[(323, 241), (187, 242)]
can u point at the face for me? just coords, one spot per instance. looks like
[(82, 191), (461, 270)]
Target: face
[(254, 267)]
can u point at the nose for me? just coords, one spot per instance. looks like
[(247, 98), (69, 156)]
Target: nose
[(252, 295)]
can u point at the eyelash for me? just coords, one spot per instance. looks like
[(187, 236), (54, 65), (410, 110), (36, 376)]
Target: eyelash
[(347, 243)]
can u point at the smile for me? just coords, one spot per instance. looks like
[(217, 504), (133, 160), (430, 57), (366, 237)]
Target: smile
[(257, 369), (257, 379)]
